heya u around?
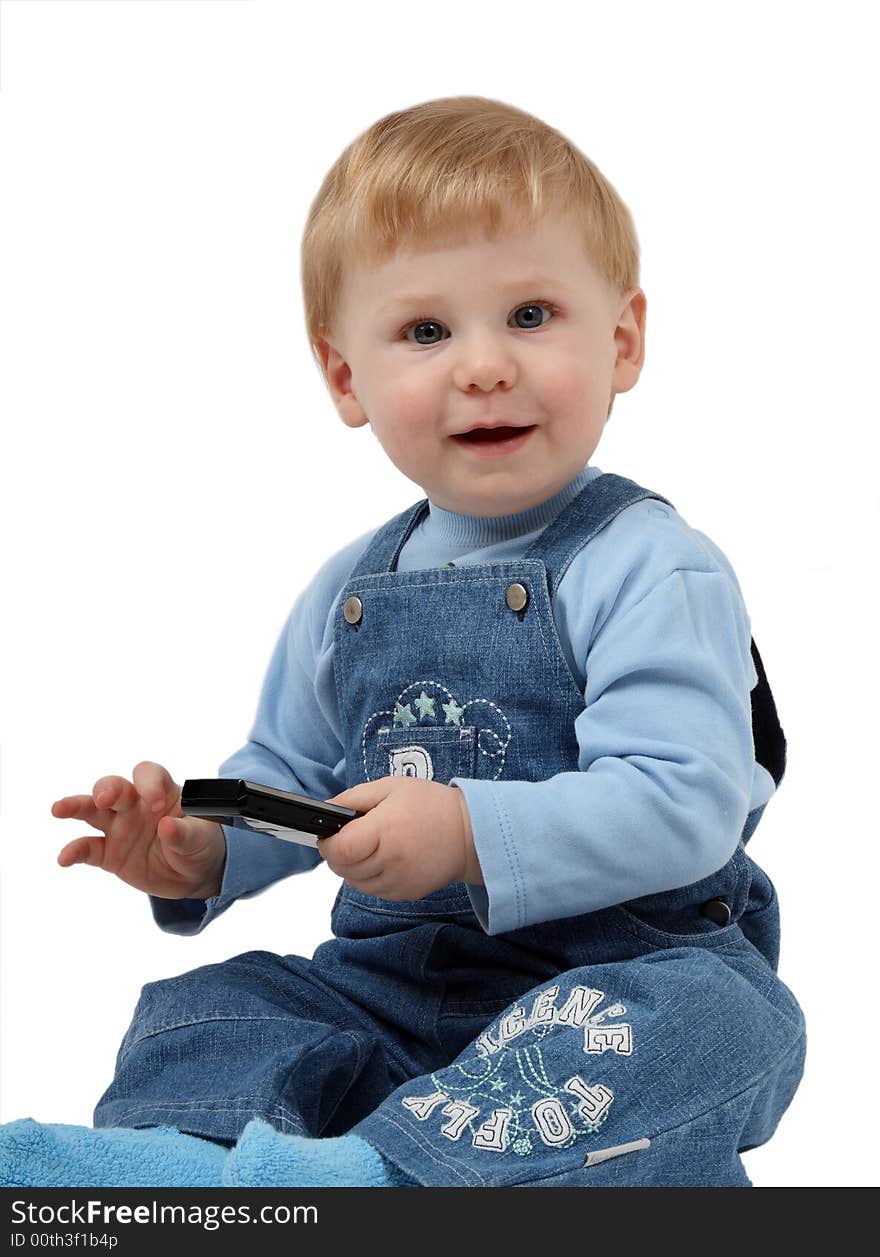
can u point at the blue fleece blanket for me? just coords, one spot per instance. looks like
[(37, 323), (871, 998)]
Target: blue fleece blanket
[(35, 1154)]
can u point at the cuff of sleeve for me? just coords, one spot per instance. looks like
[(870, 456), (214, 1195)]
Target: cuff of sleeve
[(500, 903), (480, 904), (182, 916), (190, 916)]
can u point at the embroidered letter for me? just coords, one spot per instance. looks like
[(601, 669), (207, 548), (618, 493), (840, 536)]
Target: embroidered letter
[(486, 1045), (512, 1025), (552, 1121), (542, 1008), (424, 1106), (579, 1005), (492, 1135), (461, 1113), (411, 761), (604, 1038), (595, 1099)]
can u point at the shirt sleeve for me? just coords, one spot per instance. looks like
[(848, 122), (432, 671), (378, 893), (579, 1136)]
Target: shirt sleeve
[(665, 764), (294, 745)]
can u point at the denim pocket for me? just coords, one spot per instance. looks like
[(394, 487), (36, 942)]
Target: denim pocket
[(696, 930), (432, 752), (452, 901), (678, 918)]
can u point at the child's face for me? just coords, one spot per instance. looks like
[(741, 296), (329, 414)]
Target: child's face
[(520, 332)]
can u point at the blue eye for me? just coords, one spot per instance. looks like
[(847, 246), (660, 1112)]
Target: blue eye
[(430, 328), (425, 323), (533, 312)]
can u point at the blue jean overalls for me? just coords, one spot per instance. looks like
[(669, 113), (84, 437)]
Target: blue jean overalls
[(645, 1044)]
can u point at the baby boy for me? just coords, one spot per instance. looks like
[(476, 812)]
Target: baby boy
[(552, 961)]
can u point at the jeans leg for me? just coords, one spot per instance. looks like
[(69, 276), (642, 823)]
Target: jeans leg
[(656, 1070), (251, 1037)]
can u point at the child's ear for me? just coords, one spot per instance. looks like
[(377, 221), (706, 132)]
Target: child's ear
[(337, 374), (629, 339)]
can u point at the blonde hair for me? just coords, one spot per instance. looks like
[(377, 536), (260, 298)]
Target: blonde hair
[(437, 169)]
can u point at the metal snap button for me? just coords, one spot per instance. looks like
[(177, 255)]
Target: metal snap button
[(717, 910), (517, 597), (353, 610)]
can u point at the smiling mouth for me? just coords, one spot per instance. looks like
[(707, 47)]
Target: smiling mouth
[(495, 436)]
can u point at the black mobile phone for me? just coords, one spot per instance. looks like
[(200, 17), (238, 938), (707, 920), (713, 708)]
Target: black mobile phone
[(248, 805)]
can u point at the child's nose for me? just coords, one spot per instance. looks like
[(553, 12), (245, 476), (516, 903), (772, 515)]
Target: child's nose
[(485, 362)]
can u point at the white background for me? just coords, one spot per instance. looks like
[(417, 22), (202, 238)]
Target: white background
[(173, 471)]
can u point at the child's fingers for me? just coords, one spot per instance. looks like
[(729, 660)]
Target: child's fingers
[(86, 850), (365, 870), (155, 786), (369, 886), (355, 843), (366, 796), (114, 794), (79, 806)]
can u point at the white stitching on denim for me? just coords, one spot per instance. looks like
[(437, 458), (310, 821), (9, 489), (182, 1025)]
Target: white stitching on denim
[(389, 711), (538, 1072), (191, 1021), (216, 1106), (413, 684), (502, 571), (442, 1161), (754, 1085), (580, 542), (398, 911), (502, 751), (553, 658)]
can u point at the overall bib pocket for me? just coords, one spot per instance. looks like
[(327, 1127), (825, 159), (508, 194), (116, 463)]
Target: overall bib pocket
[(431, 752)]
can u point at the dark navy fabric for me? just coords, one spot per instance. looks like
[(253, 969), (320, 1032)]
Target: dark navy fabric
[(654, 1036)]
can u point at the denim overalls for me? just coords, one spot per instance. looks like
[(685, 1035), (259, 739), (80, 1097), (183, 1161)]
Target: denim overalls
[(645, 1044)]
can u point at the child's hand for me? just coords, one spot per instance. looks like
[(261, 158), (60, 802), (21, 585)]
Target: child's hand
[(147, 841), (415, 837)]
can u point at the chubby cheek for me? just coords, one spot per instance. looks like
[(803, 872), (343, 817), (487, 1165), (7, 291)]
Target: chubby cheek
[(567, 393), (405, 418), (575, 408)]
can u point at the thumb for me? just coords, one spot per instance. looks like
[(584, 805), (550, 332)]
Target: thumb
[(365, 796), (182, 836)]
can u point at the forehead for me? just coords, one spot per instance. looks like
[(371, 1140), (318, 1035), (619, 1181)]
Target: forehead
[(551, 252)]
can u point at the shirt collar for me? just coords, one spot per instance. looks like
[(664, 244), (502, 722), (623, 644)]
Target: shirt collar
[(451, 528)]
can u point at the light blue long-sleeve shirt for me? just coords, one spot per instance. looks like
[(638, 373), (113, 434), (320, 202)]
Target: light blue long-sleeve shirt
[(655, 631)]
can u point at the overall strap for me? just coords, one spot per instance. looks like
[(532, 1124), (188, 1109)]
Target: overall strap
[(578, 523), (382, 553), (600, 501)]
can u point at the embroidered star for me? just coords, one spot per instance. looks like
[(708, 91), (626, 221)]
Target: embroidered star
[(454, 713), (497, 1084), (425, 706), (517, 1099), (403, 715)]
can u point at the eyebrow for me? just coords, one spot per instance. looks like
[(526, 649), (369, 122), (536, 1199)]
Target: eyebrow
[(533, 284)]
